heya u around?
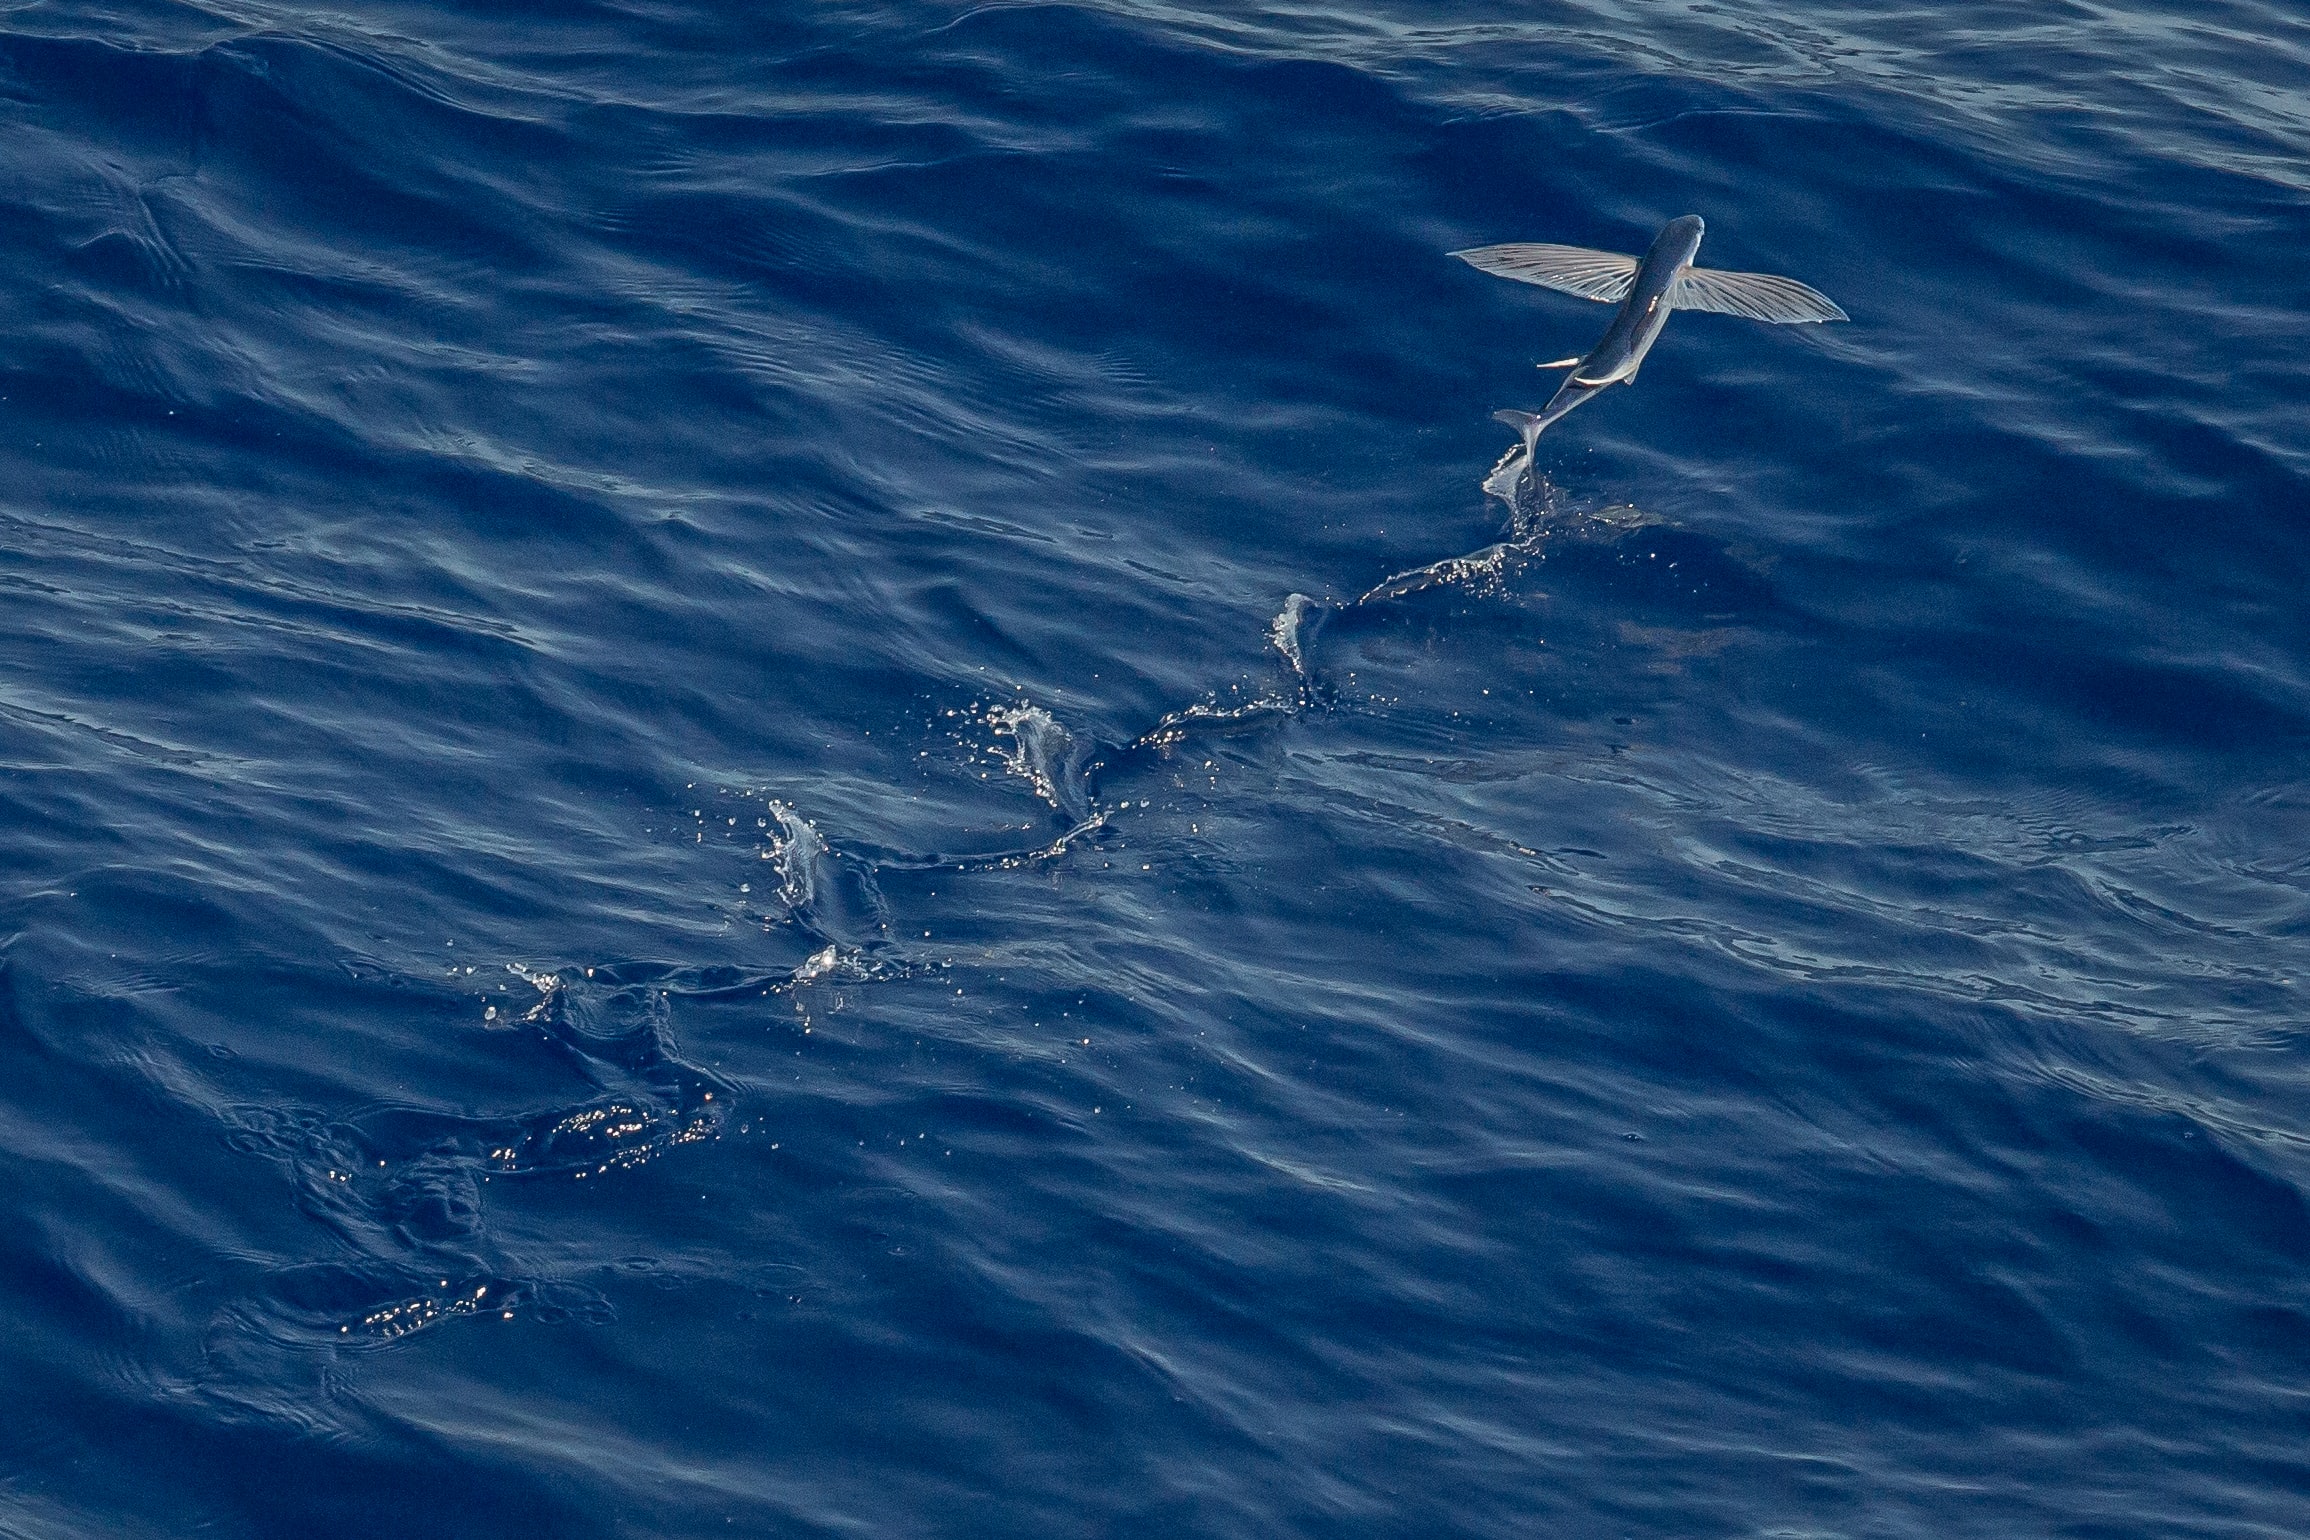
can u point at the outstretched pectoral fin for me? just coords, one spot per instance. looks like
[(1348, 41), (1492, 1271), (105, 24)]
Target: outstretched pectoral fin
[(1758, 296), (1561, 363), (1597, 275)]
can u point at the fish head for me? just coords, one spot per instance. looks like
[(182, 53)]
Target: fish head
[(1679, 239)]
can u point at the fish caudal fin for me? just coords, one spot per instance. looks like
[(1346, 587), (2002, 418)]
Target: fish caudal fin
[(1568, 395), (1527, 423)]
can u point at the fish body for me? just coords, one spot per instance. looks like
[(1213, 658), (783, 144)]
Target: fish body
[(1646, 289), (1636, 327)]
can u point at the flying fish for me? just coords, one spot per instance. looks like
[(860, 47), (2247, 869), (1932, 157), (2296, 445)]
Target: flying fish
[(1646, 289)]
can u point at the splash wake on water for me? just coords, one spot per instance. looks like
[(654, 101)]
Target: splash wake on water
[(833, 895), (610, 1022)]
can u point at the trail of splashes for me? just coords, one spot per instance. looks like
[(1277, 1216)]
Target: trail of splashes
[(1043, 753), (651, 1102), (1288, 633), (815, 884)]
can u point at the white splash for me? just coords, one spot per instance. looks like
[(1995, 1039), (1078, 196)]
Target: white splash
[(1532, 501), (797, 852), (1508, 477), (1041, 753), (547, 983), (1284, 632)]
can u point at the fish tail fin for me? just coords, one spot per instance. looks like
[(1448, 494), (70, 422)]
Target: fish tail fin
[(1527, 423)]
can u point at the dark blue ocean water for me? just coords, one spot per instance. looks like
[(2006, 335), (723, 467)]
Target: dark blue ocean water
[(676, 861)]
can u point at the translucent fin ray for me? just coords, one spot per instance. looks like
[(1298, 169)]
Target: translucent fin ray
[(1597, 275), (1758, 296)]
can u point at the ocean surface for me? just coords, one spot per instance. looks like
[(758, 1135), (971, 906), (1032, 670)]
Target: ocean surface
[(773, 770)]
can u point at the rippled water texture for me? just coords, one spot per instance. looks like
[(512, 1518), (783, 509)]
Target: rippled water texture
[(774, 771)]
